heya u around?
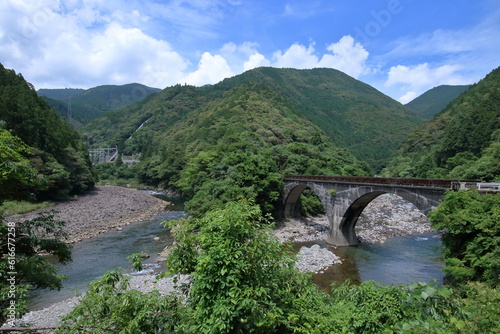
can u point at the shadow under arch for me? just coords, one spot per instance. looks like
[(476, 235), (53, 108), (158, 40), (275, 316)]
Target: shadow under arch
[(351, 215)]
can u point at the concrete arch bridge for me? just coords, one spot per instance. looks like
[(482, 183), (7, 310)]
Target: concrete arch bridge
[(345, 197)]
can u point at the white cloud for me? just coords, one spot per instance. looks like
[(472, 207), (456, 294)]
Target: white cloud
[(115, 56), (453, 57), (256, 60), (415, 80), (297, 56), (408, 97), (53, 48), (348, 57), (211, 70)]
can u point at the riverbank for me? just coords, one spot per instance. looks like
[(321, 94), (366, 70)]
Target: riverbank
[(49, 317), (100, 210), (393, 217)]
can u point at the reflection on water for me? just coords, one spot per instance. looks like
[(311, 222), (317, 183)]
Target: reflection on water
[(398, 260)]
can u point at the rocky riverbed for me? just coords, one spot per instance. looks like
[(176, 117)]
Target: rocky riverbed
[(387, 216), (100, 210)]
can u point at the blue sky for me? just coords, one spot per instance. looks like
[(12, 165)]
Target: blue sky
[(401, 47)]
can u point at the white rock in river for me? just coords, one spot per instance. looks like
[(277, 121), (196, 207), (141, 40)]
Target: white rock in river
[(315, 258)]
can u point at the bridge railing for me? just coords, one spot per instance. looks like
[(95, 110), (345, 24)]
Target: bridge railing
[(410, 182)]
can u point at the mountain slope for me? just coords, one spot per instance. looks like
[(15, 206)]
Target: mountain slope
[(436, 99), (461, 141), (353, 114), (56, 150), (218, 143), (89, 104), (59, 94)]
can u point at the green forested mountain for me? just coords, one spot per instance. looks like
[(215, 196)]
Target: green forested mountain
[(436, 99), (238, 137), (353, 114), (56, 150), (59, 94), (89, 104), (462, 141)]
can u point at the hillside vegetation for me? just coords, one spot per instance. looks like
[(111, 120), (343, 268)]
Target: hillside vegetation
[(436, 99), (238, 138), (217, 146), (54, 149), (88, 104), (462, 141), (353, 115)]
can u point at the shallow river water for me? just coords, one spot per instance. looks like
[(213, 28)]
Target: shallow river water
[(398, 260)]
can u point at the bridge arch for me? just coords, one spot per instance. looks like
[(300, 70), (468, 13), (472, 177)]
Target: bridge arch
[(346, 202), (362, 197)]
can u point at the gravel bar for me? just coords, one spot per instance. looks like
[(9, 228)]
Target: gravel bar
[(100, 210)]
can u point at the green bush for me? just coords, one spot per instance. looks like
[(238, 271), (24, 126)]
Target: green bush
[(22, 266), (472, 247), (108, 307), (243, 279)]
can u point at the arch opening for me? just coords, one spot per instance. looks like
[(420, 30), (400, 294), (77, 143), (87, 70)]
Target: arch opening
[(376, 216), (303, 201), (304, 213)]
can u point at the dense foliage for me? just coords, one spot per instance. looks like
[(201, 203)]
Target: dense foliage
[(21, 244), (216, 146), (278, 106), (436, 99), (353, 114), (470, 221), (56, 150), (89, 104), (460, 142), (108, 307), (17, 176), (244, 281)]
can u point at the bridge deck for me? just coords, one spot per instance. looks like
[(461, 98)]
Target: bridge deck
[(391, 181)]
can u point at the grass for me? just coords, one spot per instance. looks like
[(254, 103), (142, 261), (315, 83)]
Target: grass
[(18, 207)]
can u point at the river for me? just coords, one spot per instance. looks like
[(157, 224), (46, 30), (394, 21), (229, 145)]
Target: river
[(398, 260)]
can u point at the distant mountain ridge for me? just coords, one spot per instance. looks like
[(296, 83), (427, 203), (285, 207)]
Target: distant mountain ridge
[(88, 104), (436, 99), (351, 114)]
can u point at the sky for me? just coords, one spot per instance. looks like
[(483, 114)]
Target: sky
[(401, 47)]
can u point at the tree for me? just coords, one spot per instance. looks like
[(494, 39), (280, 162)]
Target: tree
[(213, 179), (243, 279), (21, 265), (470, 222), (16, 173)]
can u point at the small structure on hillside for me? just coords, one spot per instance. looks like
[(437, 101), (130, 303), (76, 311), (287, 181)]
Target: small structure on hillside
[(110, 154)]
